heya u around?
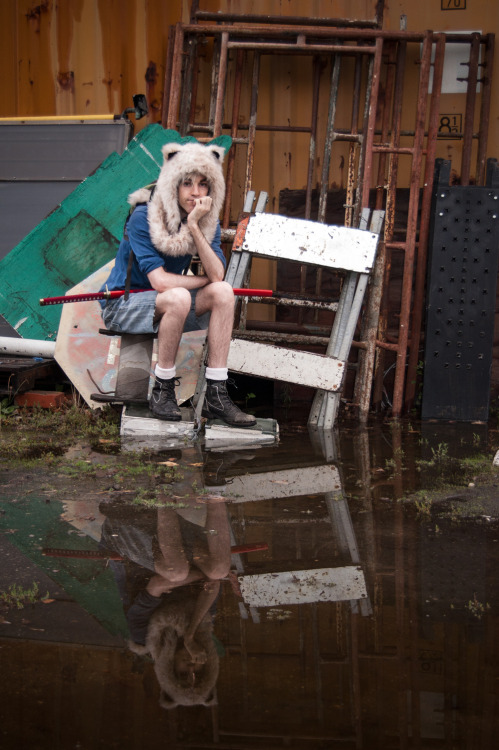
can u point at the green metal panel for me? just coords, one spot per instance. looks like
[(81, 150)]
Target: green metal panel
[(89, 582), (80, 236)]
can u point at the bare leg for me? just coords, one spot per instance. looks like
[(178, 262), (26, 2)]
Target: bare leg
[(171, 563), (213, 558), (219, 299), (172, 307)]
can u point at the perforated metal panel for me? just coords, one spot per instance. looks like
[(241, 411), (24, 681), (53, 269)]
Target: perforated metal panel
[(461, 298)]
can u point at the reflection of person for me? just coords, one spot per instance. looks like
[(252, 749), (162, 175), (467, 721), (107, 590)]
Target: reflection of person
[(171, 617), (169, 225)]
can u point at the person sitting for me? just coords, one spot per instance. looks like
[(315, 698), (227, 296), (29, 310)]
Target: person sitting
[(168, 225)]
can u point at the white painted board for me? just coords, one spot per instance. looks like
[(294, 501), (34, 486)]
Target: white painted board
[(271, 485), (304, 241), (289, 365), (303, 586)]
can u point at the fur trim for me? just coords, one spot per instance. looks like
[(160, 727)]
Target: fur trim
[(168, 234), (166, 627), (139, 196)]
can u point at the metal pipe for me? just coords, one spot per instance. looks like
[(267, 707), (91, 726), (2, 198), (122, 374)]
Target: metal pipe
[(370, 325), (371, 124), (317, 66), (383, 259), (486, 81), (222, 76), (424, 224), (469, 115), (27, 347), (318, 31), (215, 74), (283, 48), (168, 76), (412, 219), (236, 101), (189, 87), (330, 135), (363, 380), (204, 15), (354, 125), (252, 122), (176, 78)]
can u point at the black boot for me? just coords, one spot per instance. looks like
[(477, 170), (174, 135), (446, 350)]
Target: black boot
[(218, 405), (163, 403)]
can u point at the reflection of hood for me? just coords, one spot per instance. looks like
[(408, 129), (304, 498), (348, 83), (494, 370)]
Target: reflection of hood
[(168, 234), (166, 627)]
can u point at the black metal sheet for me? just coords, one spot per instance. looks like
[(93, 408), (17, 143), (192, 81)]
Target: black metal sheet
[(461, 297)]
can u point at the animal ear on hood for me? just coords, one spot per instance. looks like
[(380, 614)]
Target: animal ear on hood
[(217, 151), (166, 702), (169, 150)]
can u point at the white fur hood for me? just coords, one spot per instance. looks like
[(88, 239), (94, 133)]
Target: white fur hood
[(168, 234)]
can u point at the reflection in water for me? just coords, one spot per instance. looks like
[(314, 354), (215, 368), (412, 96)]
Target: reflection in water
[(357, 619), (170, 580)]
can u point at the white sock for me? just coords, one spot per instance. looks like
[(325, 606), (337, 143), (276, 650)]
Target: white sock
[(217, 373), (165, 373)]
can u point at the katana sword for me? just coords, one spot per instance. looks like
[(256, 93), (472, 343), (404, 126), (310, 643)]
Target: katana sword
[(89, 296), (85, 554)]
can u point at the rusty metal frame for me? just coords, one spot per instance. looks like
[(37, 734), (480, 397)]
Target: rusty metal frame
[(385, 53), (414, 247)]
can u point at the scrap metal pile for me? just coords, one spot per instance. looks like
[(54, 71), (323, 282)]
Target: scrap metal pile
[(391, 146)]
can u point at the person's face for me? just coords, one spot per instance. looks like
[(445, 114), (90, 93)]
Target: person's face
[(190, 190), (185, 668)]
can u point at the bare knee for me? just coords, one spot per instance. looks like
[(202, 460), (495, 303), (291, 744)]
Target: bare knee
[(215, 570), (224, 290), (221, 294), (177, 572), (178, 299)]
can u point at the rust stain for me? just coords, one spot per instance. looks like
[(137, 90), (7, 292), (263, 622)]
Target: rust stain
[(151, 73), (151, 78), (66, 80), (34, 13)]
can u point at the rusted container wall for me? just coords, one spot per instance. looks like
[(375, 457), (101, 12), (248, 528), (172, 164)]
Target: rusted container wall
[(85, 57)]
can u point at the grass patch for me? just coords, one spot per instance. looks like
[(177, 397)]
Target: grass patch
[(156, 498), (19, 597), (70, 420)]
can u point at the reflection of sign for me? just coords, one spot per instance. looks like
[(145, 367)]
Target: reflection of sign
[(431, 662), (453, 4), (450, 126), (302, 586)]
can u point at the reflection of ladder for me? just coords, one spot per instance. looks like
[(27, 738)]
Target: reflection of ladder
[(343, 249)]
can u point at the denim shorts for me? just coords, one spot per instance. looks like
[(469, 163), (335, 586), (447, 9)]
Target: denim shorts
[(136, 314)]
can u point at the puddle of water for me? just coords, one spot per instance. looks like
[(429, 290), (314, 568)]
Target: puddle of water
[(329, 591)]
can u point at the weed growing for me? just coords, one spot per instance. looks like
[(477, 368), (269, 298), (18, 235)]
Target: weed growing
[(476, 608), (19, 597)]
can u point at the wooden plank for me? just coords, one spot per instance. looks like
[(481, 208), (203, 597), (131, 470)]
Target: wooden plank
[(289, 365), (303, 586), (18, 375), (303, 241)]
